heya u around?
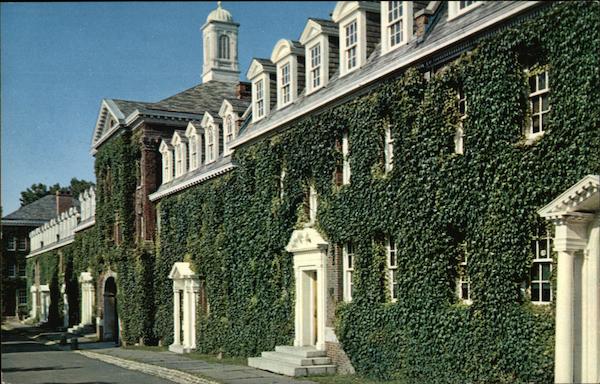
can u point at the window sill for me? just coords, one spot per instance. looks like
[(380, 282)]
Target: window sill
[(542, 303), (532, 138)]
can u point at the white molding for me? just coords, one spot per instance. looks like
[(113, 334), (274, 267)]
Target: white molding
[(407, 20), (360, 82), (60, 244), (196, 180), (454, 11)]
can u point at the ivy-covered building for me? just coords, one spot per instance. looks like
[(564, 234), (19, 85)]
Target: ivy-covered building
[(375, 200)]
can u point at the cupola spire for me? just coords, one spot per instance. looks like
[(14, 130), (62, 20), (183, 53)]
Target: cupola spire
[(220, 36)]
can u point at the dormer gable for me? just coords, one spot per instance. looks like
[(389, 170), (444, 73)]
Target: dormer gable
[(288, 57), (321, 43), (109, 119), (211, 125), (166, 151), (262, 74), (180, 147), (231, 122), (194, 133), (359, 29)]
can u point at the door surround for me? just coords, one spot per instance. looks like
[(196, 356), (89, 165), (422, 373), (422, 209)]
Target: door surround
[(310, 258)]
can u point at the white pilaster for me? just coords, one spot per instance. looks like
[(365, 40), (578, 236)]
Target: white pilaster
[(176, 319), (563, 368)]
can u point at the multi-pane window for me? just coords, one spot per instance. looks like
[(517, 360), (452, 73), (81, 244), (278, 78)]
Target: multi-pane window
[(285, 84), (459, 136), (539, 90), (464, 281), (210, 145), (348, 265), (12, 243), (392, 262), (166, 166), (193, 152), (395, 22), (12, 270), (22, 244), (224, 47), (22, 296), (172, 163), (179, 160), (260, 98), (389, 149), (22, 270), (351, 44), (541, 269), (346, 155), (228, 129), (315, 65)]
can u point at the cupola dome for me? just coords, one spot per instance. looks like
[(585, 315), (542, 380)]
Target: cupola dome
[(219, 14)]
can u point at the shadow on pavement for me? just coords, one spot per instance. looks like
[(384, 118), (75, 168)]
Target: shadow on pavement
[(36, 369)]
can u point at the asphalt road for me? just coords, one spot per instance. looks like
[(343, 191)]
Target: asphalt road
[(25, 361)]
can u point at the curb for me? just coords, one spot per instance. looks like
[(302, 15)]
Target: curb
[(165, 373)]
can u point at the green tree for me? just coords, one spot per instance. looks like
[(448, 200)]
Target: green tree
[(39, 190)]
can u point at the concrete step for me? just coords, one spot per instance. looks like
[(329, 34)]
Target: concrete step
[(289, 369), (300, 351), (295, 359)]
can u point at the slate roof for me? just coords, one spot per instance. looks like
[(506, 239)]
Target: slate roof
[(38, 212), (240, 105), (206, 97), (327, 25), (439, 31), (127, 107)]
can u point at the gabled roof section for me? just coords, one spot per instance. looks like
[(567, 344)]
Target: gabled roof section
[(210, 119), (36, 213), (258, 66), (182, 270), (583, 197), (194, 127), (316, 27), (198, 99), (165, 145), (285, 48), (112, 115), (179, 137), (238, 106), (345, 8)]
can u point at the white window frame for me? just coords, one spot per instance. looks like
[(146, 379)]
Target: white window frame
[(313, 205), (315, 67), (348, 262), (312, 36), (166, 166), (399, 22), (12, 270), (260, 100), (459, 136), (542, 256), (22, 244), (455, 10), (537, 96), (178, 161), (210, 143), (392, 264), (388, 149), (463, 278), (285, 88), (351, 46), (193, 151), (346, 171), (229, 132), (12, 243)]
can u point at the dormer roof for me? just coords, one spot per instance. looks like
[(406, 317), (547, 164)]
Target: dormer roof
[(315, 27), (285, 48), (345, 8), (258, 66)]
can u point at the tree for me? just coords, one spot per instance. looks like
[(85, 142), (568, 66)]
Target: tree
[(39, 190)]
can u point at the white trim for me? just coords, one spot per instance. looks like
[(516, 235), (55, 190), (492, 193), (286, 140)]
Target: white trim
[(85, 225), (362, 81), (454, 11), (60, 244), (197, 179), (405, 19)]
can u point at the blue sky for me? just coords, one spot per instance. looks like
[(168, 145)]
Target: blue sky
[(59, 60)]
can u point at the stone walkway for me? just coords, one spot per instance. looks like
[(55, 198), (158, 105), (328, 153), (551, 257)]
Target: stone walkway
[(222, 373)]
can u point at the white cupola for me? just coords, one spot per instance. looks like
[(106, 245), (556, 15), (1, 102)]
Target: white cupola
[(220, 34)]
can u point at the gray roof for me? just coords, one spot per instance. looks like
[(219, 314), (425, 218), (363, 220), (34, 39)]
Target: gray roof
[(240, 105), (127, 106), (440, 30), (266, 63), (327, 26), (206, 97), (40, 211)]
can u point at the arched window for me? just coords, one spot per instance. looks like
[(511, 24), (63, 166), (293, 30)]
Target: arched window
[(229, 130), (224, 47)]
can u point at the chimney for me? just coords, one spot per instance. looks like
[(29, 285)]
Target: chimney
[(64, 201), (242, 90)]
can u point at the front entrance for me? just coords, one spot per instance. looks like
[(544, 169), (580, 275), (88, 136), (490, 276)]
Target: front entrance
[(185, 296), (310, 267), (110, 321)]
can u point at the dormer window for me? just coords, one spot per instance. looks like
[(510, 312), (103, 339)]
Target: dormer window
[(210, 145), (350, 49), (321, 48), (167, 160), (315, 66), (457, 8), (259, 98), (285, 84), (358, 22), (194, 146), (396, 24)]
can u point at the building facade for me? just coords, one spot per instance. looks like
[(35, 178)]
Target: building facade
[(371, 201)]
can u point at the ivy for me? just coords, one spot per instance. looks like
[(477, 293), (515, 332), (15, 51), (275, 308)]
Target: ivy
[(435, 204)]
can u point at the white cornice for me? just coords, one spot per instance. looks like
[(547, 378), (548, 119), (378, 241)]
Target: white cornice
[(573, 198), (85, 225), (60, 244), (359, 82), (193, 181)]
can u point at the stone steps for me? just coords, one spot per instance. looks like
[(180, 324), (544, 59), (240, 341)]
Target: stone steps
[(294, 361), (80, 329)]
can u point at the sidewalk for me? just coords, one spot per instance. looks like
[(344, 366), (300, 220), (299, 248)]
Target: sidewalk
[(176, 367)]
